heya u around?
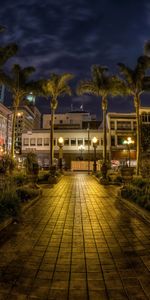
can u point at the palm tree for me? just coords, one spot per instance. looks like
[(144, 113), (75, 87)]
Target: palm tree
[(20, 86), (102, 85), (55, 87), (135, 82), (6, 51)]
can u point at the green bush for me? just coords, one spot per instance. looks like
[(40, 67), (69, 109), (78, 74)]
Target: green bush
[(9, 204), (27, 193), (138, 191), (118, 179), (20, 179), (98, 174), (139, 182), (43, 177)]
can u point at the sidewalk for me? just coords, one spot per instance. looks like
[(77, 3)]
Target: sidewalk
[(76, 243)]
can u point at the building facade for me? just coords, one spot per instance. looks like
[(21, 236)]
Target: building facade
[(6, 117), (120, 126), (78, 144), (27, 118), (73, 119)]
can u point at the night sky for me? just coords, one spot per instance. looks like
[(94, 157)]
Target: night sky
[(72, 35)]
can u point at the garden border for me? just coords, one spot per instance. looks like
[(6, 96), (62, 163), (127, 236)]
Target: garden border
[(134, 209)]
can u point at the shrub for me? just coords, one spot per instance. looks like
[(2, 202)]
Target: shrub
[(31, 164), (139, 182), (20, 179), (27, 193), (98, 174), (43, 178), (9, 204), (138, 192)]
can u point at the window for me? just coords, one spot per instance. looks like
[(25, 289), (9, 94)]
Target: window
[(87, 142), (112, 140), (120, 140), (46, 142), (61, 121), (73, 142), (66, 142), (26, 142), (39, 142), (32, 142), (80, 142), (101, 142), (134, 125), (123, 125), (112, 125)]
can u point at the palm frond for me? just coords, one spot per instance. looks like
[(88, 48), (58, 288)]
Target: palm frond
[(64, 79), (87, 87), (126, 72), (7, 52)]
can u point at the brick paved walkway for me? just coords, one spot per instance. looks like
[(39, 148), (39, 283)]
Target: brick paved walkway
[(76, 243)]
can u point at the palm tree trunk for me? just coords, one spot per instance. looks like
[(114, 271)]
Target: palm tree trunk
[(52, 137), (137, 105), (13, 133), (104, 108)]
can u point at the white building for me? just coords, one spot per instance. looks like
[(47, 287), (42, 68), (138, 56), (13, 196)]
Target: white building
[(120, 126), (39, 141), (72, 119)]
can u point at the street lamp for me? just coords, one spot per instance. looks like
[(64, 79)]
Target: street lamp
[(81, 149), (94, 140), (128, 142), (60, 144)]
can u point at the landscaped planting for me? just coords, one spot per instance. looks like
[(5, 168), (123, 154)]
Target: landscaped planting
[(12, 197), (138, 191)]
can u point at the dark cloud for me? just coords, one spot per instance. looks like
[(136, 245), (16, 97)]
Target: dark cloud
[(70, 36)]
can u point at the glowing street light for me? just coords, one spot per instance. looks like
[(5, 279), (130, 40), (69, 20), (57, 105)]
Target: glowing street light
[(60, 144), (81, 149), (94, 140), (128, 142)]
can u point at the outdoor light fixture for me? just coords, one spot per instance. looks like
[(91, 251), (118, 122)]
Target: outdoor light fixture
[(128, 142), (60, 141), (60, 144), (94, 140), (81, 149)]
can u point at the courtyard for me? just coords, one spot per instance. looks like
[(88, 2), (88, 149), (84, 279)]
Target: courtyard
[(76, 242)]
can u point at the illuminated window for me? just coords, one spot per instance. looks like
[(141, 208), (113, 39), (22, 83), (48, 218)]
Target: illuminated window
[(26, 142), (112, 125), (32, 142), (123, 125), (39, 142), (46, 142)]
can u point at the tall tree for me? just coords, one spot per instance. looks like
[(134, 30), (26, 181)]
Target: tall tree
[(55, 87), (135, 82), (6, 51), (102, 85), (19, 84)]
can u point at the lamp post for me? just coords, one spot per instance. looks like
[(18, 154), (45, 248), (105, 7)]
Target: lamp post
[(128, 142), (81, 149), (60, 144), (88, 130), (94, 140)]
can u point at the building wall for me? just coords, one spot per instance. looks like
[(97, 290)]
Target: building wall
[(39, 142), (6, 116), (68, 118)]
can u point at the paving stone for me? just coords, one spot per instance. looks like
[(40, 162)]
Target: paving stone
[(76, 243)]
